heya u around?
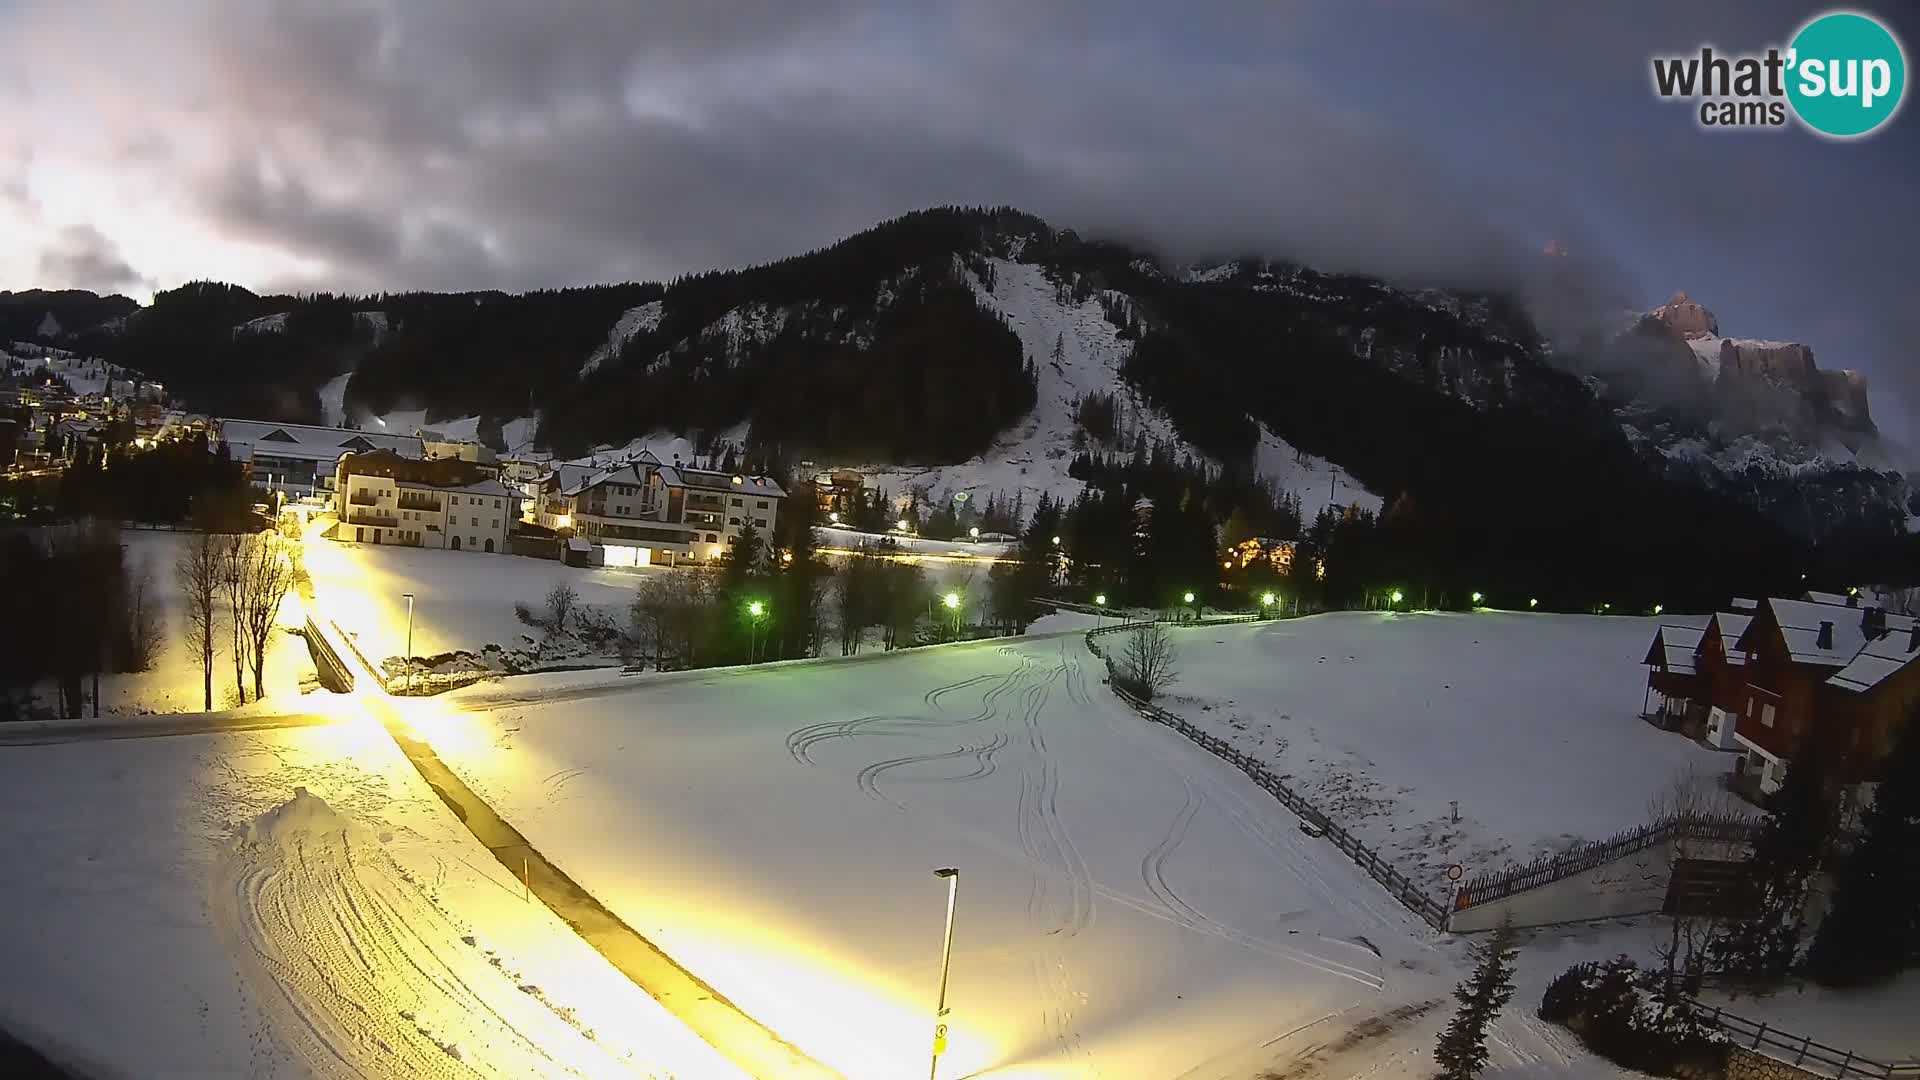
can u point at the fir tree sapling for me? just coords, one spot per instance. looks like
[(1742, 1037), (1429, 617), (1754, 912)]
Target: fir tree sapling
[(1462, 1049)]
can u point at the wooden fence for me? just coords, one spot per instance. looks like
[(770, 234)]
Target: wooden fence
[(1430, 909), (1801, 1051)]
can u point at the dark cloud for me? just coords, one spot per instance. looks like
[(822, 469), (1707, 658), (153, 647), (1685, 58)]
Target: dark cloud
[(483, 143), (82, 257)]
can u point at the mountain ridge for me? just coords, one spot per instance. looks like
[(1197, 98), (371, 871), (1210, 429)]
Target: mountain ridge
[(891, 348)]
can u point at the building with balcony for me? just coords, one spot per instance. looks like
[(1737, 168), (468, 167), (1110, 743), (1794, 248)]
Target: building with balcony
[(380, 497), (645, 511), (301, 458)]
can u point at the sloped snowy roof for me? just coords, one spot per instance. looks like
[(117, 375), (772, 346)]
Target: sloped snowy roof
[(1829, 598), (719, 481), (1741, 603), (1729, 625), (1800, 622), (309, 442), (1882, 657), (1677, 644)]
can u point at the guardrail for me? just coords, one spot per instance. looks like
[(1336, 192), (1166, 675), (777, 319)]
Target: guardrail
[(1801, 1051), (324, 656), (1430, 909), (1488, 886), (355, 646)]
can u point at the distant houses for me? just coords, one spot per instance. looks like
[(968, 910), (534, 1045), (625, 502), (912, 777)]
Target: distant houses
[(1768, 677), (301, 458), (647, 512)]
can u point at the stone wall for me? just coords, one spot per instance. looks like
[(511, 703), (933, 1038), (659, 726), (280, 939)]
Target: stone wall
[(1744, 1064)]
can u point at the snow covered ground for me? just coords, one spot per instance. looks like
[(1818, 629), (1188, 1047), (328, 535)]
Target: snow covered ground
[(463, 601), (1128, 905), (176, 908), (854, 540), (1382, 720)]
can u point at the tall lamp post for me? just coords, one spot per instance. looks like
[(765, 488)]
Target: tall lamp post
[(755, 612), (409, 597), (952, 600), (952, 875)]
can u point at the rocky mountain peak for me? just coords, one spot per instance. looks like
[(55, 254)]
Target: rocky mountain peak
[(1687, 317)]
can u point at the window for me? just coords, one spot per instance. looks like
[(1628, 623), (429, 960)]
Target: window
[(731, 539), (712, 539), (453, 500), (737, 502), (475, 522), (1766, 715), (761, 505), (496, 504), (760, 522), (732, 521), (496, 523)]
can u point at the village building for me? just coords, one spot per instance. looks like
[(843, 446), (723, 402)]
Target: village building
[(647, 512), (380, 497), (300, 459)]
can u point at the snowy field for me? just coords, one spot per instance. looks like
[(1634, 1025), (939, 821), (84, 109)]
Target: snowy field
[(463, 601), (1128, 906), (1530, 721), (175, 909), (174, 684)]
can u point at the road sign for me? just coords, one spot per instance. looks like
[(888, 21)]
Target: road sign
[(1456, 872)]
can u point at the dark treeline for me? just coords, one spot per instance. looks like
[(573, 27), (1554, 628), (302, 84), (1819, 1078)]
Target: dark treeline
[(78, 609)]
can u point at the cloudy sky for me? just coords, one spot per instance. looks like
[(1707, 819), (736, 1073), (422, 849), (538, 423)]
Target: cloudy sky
[(384, 144)]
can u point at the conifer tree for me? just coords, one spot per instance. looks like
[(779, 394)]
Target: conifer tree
[(1873, 927), (1775, 878), (1462, 1048)]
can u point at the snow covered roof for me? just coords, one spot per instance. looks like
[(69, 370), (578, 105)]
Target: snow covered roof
[(1833, 599), (707, 480), (480, 487), (1882, 657), (1741, 603), (1729, 626), (244, 438), (1676, 645), (1800, 624)]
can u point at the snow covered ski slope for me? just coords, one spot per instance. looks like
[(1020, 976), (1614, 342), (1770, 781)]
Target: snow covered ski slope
[(1128, 906)]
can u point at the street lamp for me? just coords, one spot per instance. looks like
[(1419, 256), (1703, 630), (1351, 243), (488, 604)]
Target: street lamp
[(952, 602), (1476, 599), (952, 875), (1100, 600), (1397, 596), (755, 610), (1533, 603), (903, 524), (1266, 601), (409, 597), (1658, 608), (974, 532), (834, 516), (1056, 541)]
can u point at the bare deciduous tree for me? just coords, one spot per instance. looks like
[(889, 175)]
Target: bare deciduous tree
[(1147, 661), (266, 571), (1689, 793), (562, 601), (233, 583), (199, 569), (138, 641)]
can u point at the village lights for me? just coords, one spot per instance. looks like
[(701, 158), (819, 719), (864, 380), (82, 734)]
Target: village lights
[(1658, 608), (1100, 600), (1397, 596), (1533, 603), (1226, 564), (1477, 598), (834, 516), (1186, 598), (902, 525), (1056, 541)]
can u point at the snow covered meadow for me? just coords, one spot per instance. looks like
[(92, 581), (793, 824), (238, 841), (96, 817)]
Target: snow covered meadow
[(1128, 905), (177, 907), (1529, 721)]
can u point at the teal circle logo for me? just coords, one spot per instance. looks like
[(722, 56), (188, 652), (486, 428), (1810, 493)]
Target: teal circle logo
[(1846, 74)]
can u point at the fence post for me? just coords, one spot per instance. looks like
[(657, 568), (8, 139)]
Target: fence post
[(1805, 1041), (1758, 1035)]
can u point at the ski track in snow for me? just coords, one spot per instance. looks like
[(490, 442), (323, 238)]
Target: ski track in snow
[(1061, 903), (358, 973)]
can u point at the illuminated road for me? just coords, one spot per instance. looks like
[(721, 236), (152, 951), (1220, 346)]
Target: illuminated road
[(708, 1013)]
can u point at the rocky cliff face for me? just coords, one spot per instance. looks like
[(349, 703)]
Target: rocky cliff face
[(1765, 382)]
